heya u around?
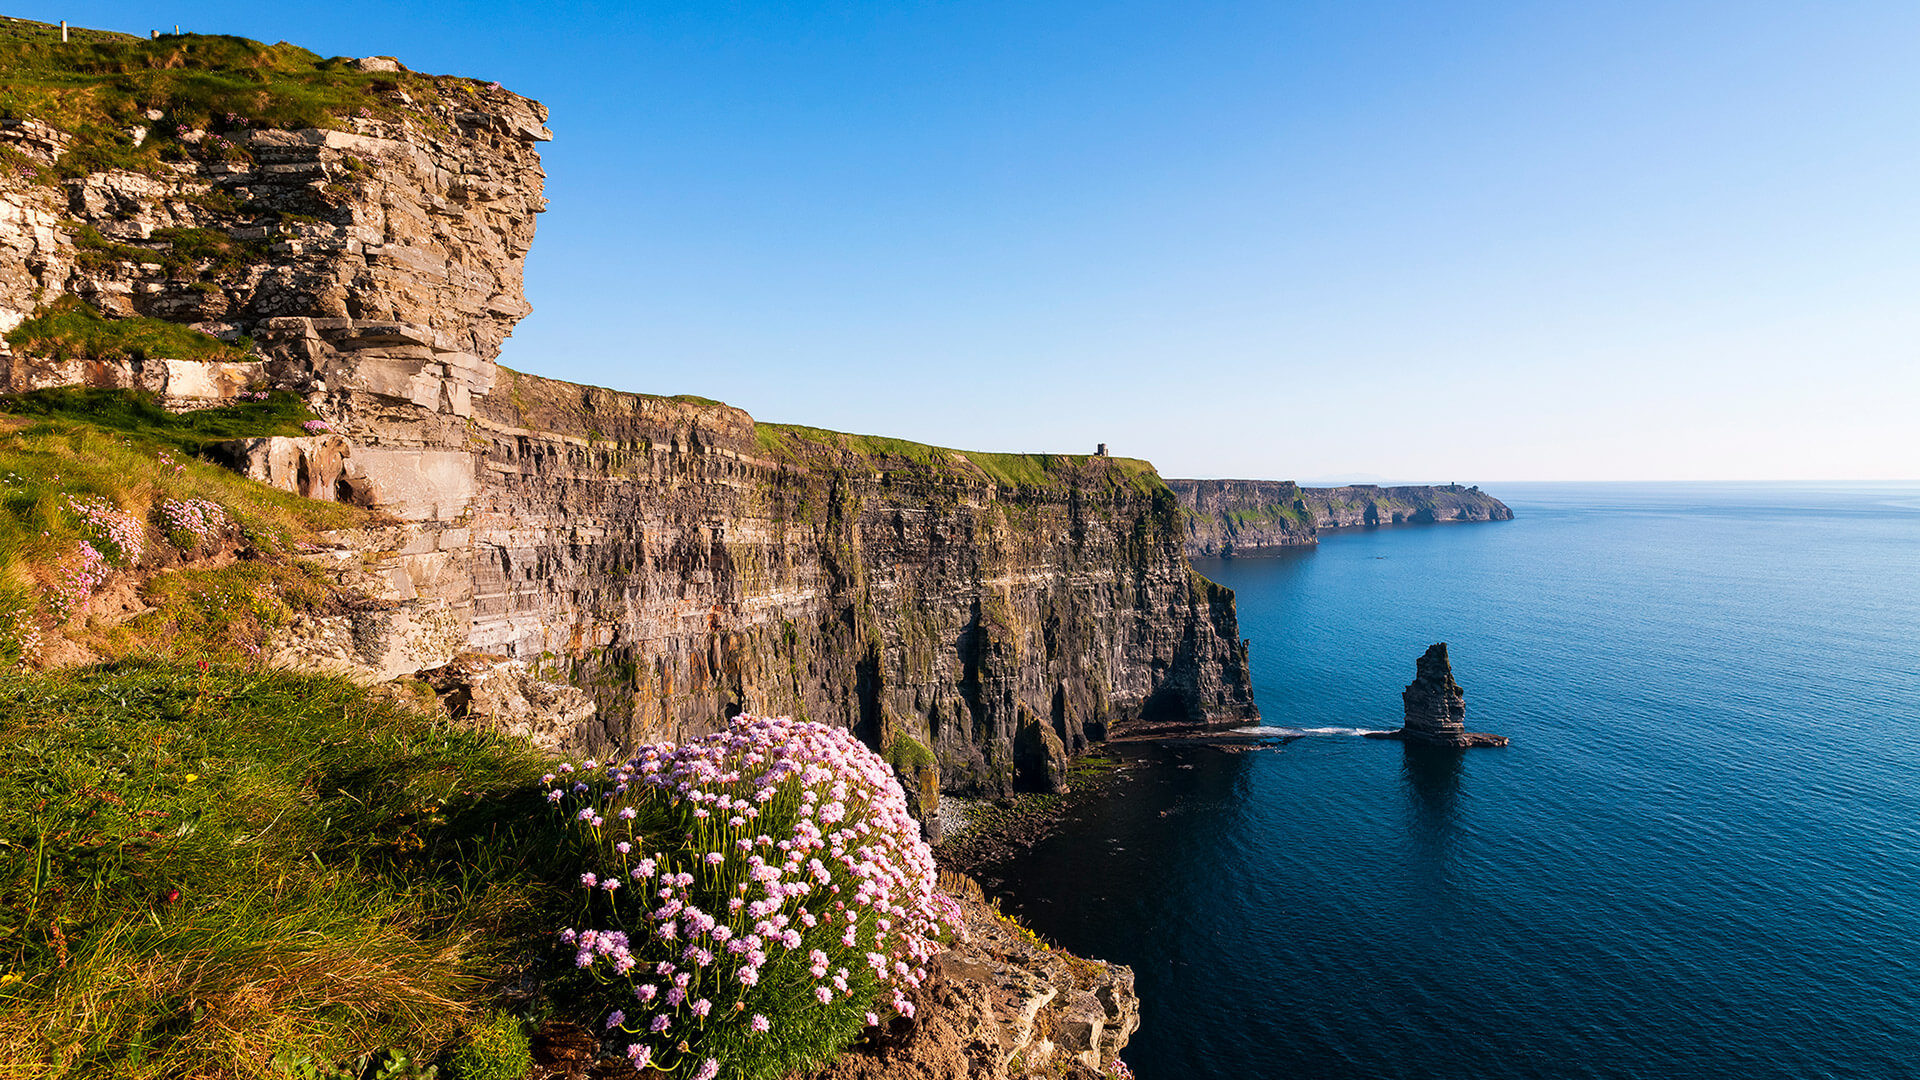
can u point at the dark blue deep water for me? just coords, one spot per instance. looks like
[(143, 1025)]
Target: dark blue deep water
[(1700, 857)]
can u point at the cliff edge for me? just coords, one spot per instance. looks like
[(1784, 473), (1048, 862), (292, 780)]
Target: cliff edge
[(355, 232)]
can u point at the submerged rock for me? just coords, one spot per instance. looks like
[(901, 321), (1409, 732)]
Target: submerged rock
[(1436, 707)]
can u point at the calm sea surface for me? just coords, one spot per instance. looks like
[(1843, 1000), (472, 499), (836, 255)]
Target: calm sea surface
[(1700, 857)]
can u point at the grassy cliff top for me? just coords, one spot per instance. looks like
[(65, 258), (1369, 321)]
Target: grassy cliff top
[(877, 453), (542, 404), (99, 86)]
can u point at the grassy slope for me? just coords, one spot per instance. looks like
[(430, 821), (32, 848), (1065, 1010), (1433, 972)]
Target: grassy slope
[(71, 329), (100, 85), (205, 869), (201, 871), (61, 445)]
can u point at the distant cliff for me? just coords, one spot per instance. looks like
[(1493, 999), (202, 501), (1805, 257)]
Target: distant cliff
[(1250, 517), (355, 232)]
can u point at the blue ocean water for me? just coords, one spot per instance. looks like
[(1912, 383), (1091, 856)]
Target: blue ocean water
[(1700, 856)]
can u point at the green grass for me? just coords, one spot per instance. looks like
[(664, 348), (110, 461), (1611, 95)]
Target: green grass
[(59, 445), (140, 420), (216, 611), (100, 84), (201, 870), (809, 445), (496, 1049), (70, 329)]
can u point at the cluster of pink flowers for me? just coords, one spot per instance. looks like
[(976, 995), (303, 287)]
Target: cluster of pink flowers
[(75, 578), (120, 536), (316, 427), (788, 881), (192, 522), (256, 395), (23, 631), (167, 461)]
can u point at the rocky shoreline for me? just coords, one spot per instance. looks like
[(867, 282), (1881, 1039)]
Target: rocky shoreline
[(979, 832)]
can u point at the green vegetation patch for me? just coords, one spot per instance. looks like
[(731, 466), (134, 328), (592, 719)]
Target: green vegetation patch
[(70, 329), (907, 753), (114, 471), (143, 423), (218, 611), (206, 869), (99, 86), (878, 453), (495, 1050)]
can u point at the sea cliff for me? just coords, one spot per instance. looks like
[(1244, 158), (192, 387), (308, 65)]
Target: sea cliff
[(1229, 518), (671, 557)]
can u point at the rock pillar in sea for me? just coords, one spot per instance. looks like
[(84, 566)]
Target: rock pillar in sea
[(1436, 707)]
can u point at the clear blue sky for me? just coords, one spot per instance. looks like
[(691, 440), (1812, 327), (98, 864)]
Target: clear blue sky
[(1423, 241)]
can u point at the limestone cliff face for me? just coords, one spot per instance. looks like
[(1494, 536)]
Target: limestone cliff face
[(671, 557), (380, 262), (1244, 517), (675, 559), (1251, 517)]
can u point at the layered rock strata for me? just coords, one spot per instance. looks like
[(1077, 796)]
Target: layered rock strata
[(670, 557), (676, 559), (1240, 518), (1436, 707), (1002, 1005), (380, 262)]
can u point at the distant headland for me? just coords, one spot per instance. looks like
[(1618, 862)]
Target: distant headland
[(1239, 518)]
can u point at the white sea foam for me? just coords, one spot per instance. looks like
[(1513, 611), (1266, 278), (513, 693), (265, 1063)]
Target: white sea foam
[(1279, 732)]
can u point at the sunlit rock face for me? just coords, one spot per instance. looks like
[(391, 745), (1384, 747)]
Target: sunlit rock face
[(379, 263), (670, 557)]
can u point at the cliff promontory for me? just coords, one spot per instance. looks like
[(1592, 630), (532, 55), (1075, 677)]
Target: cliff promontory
[(355, 232), (313, 264), (1228, 518)]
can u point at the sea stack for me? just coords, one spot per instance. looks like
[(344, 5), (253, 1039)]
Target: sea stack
[(1436, 707)]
